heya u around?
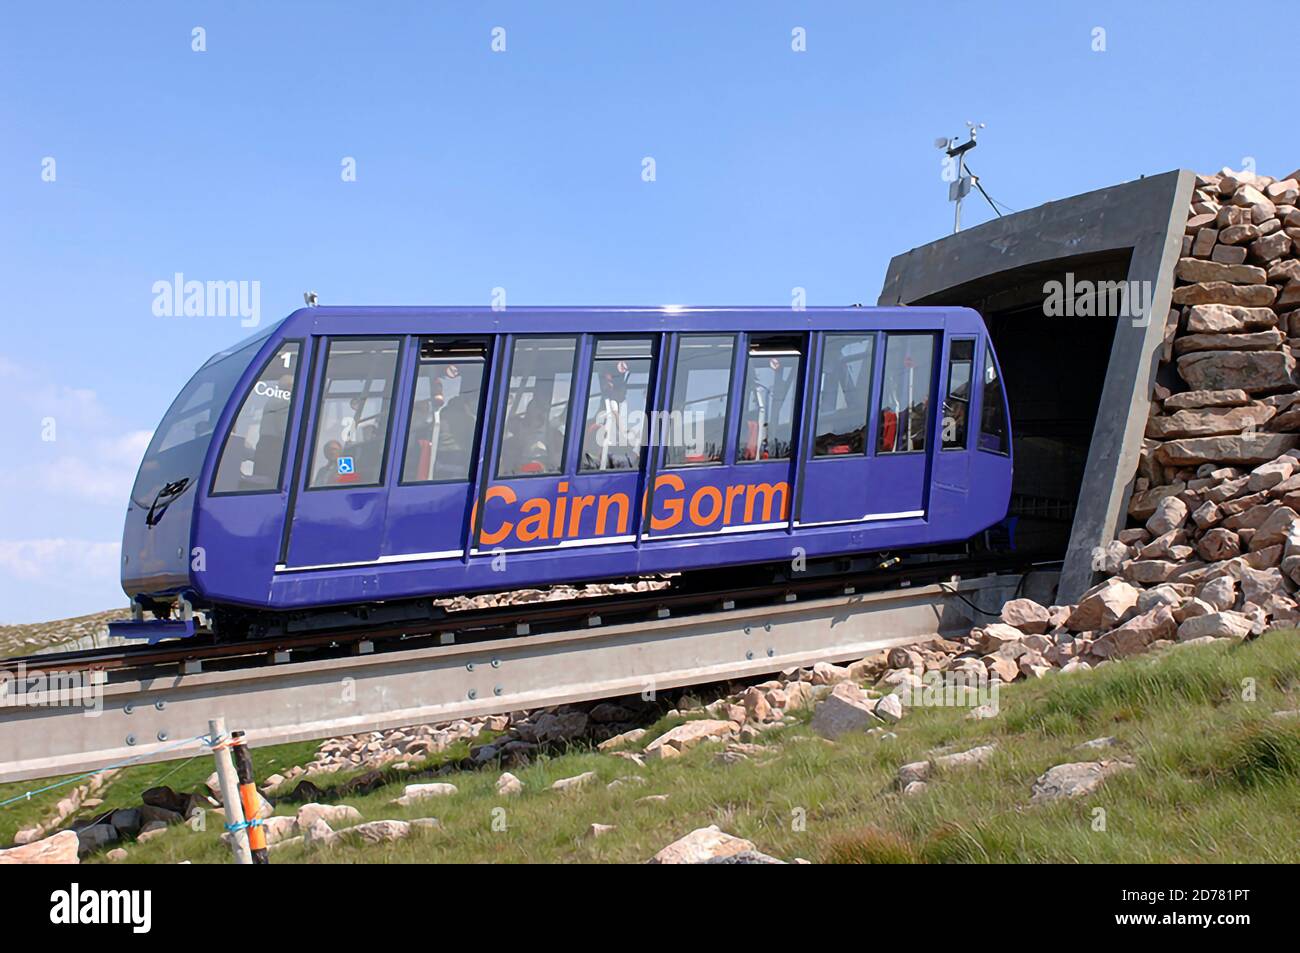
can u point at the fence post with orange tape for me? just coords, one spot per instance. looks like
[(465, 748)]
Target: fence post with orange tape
[(229, 784), (252, 801)]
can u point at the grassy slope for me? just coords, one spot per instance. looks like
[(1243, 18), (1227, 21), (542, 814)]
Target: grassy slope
[(125, 788), (1218, 779), (27, 638)]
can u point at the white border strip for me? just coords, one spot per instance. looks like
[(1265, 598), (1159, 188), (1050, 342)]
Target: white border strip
[(869, 518), (739, 528), (563, 544), (599, 541), (397, 558)]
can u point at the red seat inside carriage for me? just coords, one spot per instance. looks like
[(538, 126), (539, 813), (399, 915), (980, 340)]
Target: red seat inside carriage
[(888, 430)]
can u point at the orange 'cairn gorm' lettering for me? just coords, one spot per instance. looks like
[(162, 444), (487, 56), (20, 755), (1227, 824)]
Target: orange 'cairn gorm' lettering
[(590, 516)]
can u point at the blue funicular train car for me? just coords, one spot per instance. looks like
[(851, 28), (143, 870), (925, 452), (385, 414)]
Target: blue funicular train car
[(359, 457)]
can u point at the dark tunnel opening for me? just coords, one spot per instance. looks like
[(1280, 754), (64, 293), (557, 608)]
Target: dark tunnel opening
[(1054, 368)]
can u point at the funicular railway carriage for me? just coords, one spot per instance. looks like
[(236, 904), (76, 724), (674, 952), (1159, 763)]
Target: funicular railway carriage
[(375, 457)]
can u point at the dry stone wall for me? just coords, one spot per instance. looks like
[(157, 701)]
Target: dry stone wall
[(1212, 546), (1218, 488)]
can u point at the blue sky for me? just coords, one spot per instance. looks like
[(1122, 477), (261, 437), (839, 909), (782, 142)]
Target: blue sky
[(522, 170)]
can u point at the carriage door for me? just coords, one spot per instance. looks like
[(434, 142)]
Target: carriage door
[(429, 507), (837, 485), (339, 512), (903, 431), (521, 498), (869, 463)]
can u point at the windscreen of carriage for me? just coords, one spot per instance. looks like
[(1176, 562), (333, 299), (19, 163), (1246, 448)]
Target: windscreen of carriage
[(182, 438), (352, 420), (537, 406), (844, 394), (615, 425), (771, 388), (696, 429), (993, 414), (444, 412), (905, 392)]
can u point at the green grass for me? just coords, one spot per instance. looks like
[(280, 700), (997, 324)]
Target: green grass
[(1217, 778), (125, 788), (25, 813)]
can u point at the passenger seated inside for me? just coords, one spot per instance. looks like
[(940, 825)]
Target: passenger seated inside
[(328, 474), (456, 426), (533, 444), (366, 462), (602, 442), (442, 438)]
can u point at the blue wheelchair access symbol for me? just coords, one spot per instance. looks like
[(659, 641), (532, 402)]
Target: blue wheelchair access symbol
[(345, 465)]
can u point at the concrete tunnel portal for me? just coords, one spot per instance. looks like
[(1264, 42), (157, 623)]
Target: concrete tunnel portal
[(1079, 384)]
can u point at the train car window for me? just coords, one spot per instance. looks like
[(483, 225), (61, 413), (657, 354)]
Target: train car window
[(537, 407), (181, 440), (993, 415), (697, 424), (352, 419), (614, 430), (844, 395), (252, 457), (444, 413), (771, 383), (956, 405), (905, 394)]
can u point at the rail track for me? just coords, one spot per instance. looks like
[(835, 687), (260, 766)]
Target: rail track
[(135, 702), (491, 622)]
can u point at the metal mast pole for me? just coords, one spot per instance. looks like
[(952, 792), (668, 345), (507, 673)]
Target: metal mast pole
[(961, 177), (958, 189)]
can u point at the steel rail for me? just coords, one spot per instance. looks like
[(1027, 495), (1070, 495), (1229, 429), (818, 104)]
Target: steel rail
[(93, 725)]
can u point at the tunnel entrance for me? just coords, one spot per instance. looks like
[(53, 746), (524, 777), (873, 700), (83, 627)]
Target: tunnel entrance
[(1054, 369), (1060, 371)]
